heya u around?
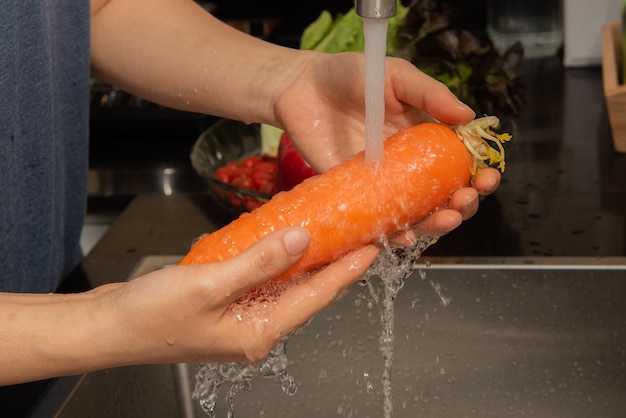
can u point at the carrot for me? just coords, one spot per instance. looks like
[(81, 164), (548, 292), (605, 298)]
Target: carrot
[(358, 203)]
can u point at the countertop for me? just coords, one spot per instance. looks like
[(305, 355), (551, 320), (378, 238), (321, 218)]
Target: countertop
[(562, 198)]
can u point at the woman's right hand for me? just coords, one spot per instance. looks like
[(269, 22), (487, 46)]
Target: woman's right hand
[(184, 313)]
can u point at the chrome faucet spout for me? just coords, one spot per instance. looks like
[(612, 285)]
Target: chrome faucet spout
[(376, 8)]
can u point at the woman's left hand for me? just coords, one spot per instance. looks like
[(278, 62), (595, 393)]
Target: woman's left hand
[(323, 109)]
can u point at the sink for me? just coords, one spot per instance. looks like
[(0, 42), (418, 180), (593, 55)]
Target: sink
[(520, 337)]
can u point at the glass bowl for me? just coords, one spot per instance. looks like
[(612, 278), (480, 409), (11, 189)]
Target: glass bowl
[(225, 141)]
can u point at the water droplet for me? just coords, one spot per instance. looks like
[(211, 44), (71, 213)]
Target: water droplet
[(195, 240)]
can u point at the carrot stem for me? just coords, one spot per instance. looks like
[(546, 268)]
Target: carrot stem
[(476, 134)]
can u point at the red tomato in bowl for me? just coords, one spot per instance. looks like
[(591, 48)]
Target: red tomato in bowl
[(230, 171), (292, 168), (253, 173)]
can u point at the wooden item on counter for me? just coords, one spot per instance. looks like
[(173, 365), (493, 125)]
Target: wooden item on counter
[(614, 91)]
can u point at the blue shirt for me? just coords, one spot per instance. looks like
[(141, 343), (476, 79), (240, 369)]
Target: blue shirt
[(44, 105)]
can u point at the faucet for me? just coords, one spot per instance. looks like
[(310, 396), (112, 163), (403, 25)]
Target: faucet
[(376, 8)]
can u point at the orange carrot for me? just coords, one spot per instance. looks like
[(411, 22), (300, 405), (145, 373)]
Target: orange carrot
[(358, 203)]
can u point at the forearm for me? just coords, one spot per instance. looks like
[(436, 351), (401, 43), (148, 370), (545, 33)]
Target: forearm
[(52, 335), (174, 53)]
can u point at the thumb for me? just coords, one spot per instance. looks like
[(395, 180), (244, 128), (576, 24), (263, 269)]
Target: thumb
[(267, 258)]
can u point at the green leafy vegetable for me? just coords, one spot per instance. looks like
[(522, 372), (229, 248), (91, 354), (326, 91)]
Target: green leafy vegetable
[(345, 32), (424, 34), (316, 31), (470, 66)]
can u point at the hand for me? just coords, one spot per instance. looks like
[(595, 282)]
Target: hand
[(323, 111), (323, 107), (182, 314)]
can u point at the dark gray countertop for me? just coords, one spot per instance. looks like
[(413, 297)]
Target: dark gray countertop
[(564, 189), (563, 194)]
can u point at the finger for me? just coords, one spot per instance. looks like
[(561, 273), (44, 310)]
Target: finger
[(465, 201), (404, 238), (439, 223), (302, 301), (266, 259), (487, 181), (423, 92)]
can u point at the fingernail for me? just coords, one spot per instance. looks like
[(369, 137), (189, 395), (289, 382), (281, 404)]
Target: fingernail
[(297, 240), (464, 107)]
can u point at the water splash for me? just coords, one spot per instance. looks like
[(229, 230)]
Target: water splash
[(212, 378), (235, 377), (384, 279)]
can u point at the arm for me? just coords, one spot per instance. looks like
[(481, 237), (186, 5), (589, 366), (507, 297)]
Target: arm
[(172, 315), (174, 53)]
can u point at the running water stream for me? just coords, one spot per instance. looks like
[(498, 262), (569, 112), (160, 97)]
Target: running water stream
[(385, 278), (375, 33)]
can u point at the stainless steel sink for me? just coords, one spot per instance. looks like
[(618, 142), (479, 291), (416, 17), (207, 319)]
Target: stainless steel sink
[(520, 338)]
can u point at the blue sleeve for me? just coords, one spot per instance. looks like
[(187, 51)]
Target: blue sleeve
[(44, 95)]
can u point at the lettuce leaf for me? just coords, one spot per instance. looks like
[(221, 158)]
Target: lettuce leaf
[(345, 32), (316, 31)]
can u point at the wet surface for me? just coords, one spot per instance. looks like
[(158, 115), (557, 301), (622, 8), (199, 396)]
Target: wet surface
[(564, 189), (536, 343)]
